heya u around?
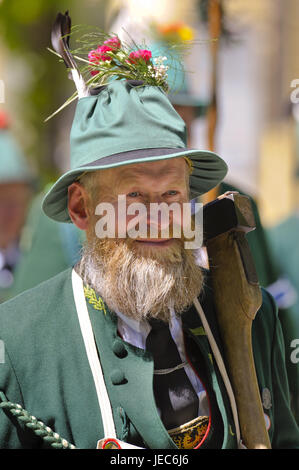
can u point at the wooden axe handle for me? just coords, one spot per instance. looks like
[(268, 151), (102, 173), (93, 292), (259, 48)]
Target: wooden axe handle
[(237, 299)]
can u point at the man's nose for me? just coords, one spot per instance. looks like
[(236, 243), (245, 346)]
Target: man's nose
[(160, 217), (154, 198)]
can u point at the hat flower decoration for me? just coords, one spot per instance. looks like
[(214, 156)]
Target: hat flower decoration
[(123, 114), (102, 57), (112, 59)]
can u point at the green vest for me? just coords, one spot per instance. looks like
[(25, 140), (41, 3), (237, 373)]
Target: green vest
[(47, 372)]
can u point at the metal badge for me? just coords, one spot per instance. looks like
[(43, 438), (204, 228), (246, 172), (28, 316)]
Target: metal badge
[(266, 398)]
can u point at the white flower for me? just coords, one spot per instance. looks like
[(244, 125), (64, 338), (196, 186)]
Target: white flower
[(120, 55), (160, 71), (159, 60)]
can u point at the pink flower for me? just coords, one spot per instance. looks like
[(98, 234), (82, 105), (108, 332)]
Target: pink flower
[(99, 55), (113, 42), (93, 56), (141, 54), (101, 51)]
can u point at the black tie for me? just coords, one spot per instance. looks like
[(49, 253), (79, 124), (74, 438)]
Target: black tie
[(174, 394)]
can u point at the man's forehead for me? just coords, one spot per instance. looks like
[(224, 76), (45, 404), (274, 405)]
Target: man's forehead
[(171, 167)]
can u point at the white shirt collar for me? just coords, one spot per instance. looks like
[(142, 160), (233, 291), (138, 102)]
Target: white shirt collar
[(135, 332), (138, 326)]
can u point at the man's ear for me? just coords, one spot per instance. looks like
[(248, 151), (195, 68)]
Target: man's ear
[(78, 205)]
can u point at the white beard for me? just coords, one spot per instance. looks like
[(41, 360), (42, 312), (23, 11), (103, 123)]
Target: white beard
[(141, 284)]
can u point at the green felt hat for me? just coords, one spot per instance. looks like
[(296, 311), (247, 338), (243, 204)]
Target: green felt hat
[(13, 164), (128, 122)]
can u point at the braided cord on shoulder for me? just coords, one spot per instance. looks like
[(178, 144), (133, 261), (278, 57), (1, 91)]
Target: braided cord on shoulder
[(38, 427)]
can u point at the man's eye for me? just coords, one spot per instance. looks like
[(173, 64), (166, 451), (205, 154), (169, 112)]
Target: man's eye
[(172, 192), (134, 194)]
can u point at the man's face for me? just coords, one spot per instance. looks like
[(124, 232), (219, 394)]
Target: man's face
[(14, 198), (141, 276), (148, 184)]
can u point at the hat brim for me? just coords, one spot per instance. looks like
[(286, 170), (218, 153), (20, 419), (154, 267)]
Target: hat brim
[(208, 171)]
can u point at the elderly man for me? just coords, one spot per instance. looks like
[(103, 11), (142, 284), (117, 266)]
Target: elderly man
[(115, 348)]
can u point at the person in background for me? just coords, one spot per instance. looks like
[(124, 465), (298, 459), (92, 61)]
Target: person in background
[(283, 240), (16, 190), (46, 249)]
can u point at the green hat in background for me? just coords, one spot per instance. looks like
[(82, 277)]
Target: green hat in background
[(121, 123), (13, 165), (180, 90)]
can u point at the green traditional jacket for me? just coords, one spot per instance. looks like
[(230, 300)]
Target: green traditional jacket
[(46, 371)]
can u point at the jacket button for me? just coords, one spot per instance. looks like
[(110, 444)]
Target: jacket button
[(118, 377), (119, 349)]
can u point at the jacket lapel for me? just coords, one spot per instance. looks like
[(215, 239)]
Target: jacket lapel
[(128, 373)]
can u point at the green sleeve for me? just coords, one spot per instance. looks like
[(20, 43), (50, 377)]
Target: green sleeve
[(286, 431), (13, 434)]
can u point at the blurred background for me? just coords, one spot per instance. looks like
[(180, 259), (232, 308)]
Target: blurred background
[(257, 63), (252, 69), (242, 80)]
